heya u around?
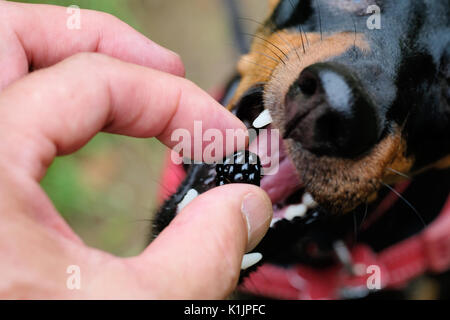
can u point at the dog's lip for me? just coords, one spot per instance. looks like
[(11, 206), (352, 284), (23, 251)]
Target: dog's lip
[(282, 184), (282, 180)]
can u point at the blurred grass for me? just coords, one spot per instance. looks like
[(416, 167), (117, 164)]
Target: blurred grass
[(107, 190)]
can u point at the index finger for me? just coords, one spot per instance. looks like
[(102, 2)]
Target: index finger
[(57, 110), (37, 36)]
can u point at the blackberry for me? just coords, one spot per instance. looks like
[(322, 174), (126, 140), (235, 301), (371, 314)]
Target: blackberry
[(241, 167)]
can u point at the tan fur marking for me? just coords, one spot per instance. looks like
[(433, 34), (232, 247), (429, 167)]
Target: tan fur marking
[(338, 184), (273, 4), (264, 58), (401, 164), (343, 184)]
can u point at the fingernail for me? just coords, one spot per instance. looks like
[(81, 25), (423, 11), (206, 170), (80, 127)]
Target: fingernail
[(257, 211)]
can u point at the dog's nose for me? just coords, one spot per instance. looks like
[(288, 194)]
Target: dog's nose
[(329, 113)]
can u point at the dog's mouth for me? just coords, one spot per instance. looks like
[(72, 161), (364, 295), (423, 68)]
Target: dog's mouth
[(304, 229), (283, 178), (280, 179), (291, 200)]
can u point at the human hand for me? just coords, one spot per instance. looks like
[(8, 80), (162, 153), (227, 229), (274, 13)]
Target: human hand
[(105, 77)]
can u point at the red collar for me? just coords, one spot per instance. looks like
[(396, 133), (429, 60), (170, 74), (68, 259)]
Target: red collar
[(428, 251)]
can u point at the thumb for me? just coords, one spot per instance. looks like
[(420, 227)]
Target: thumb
[(199, 255)]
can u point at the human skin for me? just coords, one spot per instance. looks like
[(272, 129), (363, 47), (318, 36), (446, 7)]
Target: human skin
[(106, 77)]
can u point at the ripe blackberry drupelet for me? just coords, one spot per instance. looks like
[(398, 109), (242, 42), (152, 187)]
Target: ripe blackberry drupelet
[(241, 167)]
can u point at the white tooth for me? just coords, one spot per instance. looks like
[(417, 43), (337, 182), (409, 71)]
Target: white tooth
[(190, 195), (309, 201), (274, 222), (295, 211), (263, 120), (250, 259)]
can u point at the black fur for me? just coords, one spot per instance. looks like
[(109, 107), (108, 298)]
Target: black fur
[(406, 74)]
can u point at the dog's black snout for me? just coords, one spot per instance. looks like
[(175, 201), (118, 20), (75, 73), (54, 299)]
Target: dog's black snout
[(329, 112)]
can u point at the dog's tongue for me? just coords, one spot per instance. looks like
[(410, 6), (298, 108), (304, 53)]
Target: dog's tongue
[(280, 176)]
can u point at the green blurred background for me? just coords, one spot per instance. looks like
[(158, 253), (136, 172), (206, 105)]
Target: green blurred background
[(107, 191)]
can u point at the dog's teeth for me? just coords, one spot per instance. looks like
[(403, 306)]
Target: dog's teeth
[(190, 195), (295, 211), (250, 259), (309, 201), (274, 222), (263, 120)]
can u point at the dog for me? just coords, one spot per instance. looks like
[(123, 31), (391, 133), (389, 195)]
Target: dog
[(363, 112)]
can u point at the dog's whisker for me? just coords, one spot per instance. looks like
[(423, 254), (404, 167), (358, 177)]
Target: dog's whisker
[(306, 36), (404, 175), (299, 29), (278, 56), (319, 15), (404, 122), (365, 214), (289, 45), (303, 43), (293, 47), (269, 42), (258, 65), (407, 203), (266, 55), (354, 26), (277, 34), (251, 20)]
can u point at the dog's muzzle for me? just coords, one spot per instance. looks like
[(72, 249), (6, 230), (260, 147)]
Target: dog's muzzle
[(330, 114)]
